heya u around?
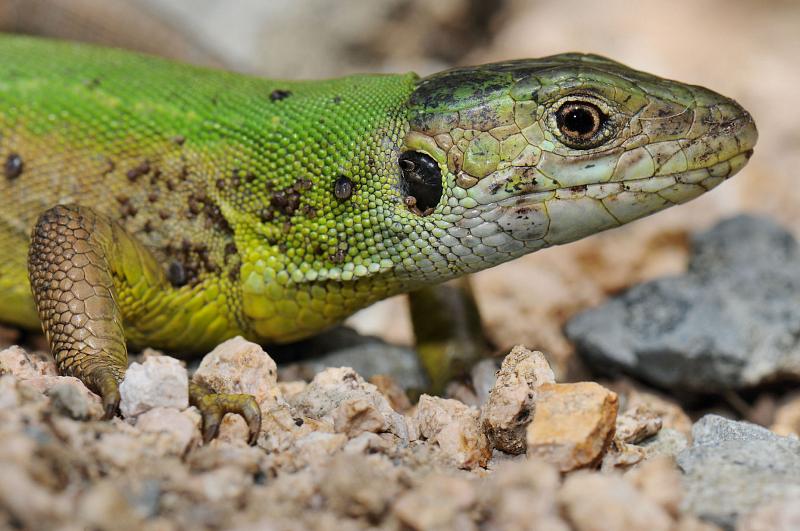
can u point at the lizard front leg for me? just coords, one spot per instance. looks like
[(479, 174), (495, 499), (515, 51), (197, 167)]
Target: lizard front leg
[(78, 262)]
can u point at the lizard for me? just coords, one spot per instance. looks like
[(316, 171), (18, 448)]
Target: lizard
[(145, 202)]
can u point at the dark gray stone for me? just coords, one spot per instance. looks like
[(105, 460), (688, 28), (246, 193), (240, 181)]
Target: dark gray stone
[(732, 321), (733, 467)]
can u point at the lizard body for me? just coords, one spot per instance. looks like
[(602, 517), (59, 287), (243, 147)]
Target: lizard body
[(174, 206)]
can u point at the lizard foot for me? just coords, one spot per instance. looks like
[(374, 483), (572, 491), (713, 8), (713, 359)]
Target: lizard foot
[(213, 406), (108, 387)]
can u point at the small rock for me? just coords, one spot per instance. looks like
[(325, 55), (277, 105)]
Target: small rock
[(289, 389), (333, 389), (360, 486), (573, 424), (637, 424), (161, 381), (522, 495), (176, 424), (356, 416), (621, 456), (105, 506), (734, 467), (671, 414), (787, 417), (730, 322), (509, 408), (782, 515), (15, 360), (67, 399), (239, 366), (440, 503), (659, 480), (71, 396), (667, 442), (606, 502), (455, 427), (395, 394), (370, 358)]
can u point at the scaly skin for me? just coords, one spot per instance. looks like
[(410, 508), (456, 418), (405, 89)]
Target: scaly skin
[(198, 204)]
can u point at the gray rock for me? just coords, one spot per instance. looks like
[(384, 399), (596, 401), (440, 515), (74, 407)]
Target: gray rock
[(67, 400), (733, 467), (732, 321), (667, 442), (344, 347)]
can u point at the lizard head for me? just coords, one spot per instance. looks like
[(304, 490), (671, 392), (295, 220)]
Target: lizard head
[(503, 159)]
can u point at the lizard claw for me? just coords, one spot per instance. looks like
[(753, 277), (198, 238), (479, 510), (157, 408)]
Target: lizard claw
[(108, 388), (214, 406)]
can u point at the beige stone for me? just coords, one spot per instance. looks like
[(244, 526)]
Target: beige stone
[(440, 503), (174, 424), (23, 365), (509, 409), (637, 424), (336, 388), (395, 394), (573, 424), (239, 366), (522, 496), (787, 416), (455, 427), (161, 381), (606, 502)]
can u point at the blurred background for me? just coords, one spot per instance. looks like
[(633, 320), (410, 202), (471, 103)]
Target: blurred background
[(744, 49)]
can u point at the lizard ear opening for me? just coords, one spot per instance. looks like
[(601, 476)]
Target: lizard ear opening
[(421, 182)]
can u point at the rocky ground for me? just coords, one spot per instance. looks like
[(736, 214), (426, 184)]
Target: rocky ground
[(340, 452)]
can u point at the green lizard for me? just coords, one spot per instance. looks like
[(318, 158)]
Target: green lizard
[(160, 204)]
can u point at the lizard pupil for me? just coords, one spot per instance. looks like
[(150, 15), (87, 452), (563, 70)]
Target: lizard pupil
[(579, 121), (421, 181)]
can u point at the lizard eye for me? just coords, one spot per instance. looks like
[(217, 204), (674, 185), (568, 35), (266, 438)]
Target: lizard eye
[(579, 123), (421, 182)]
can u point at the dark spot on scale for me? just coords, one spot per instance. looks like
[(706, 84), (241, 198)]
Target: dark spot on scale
[(298, 422), (13, 166), (92, 84), (142, 169), (152, 197), (179, 140), (233, 273), (337, 99), (588, 166), (339, 256), (266, 214), (279, 94), (195, 206), (110, 166), (176, 274), (163, 214), (123, 199), (579, 188), (343, 188), (148, 226), (220, 184), (309, 211), (170, 185), (250, 177), (230, 248)]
